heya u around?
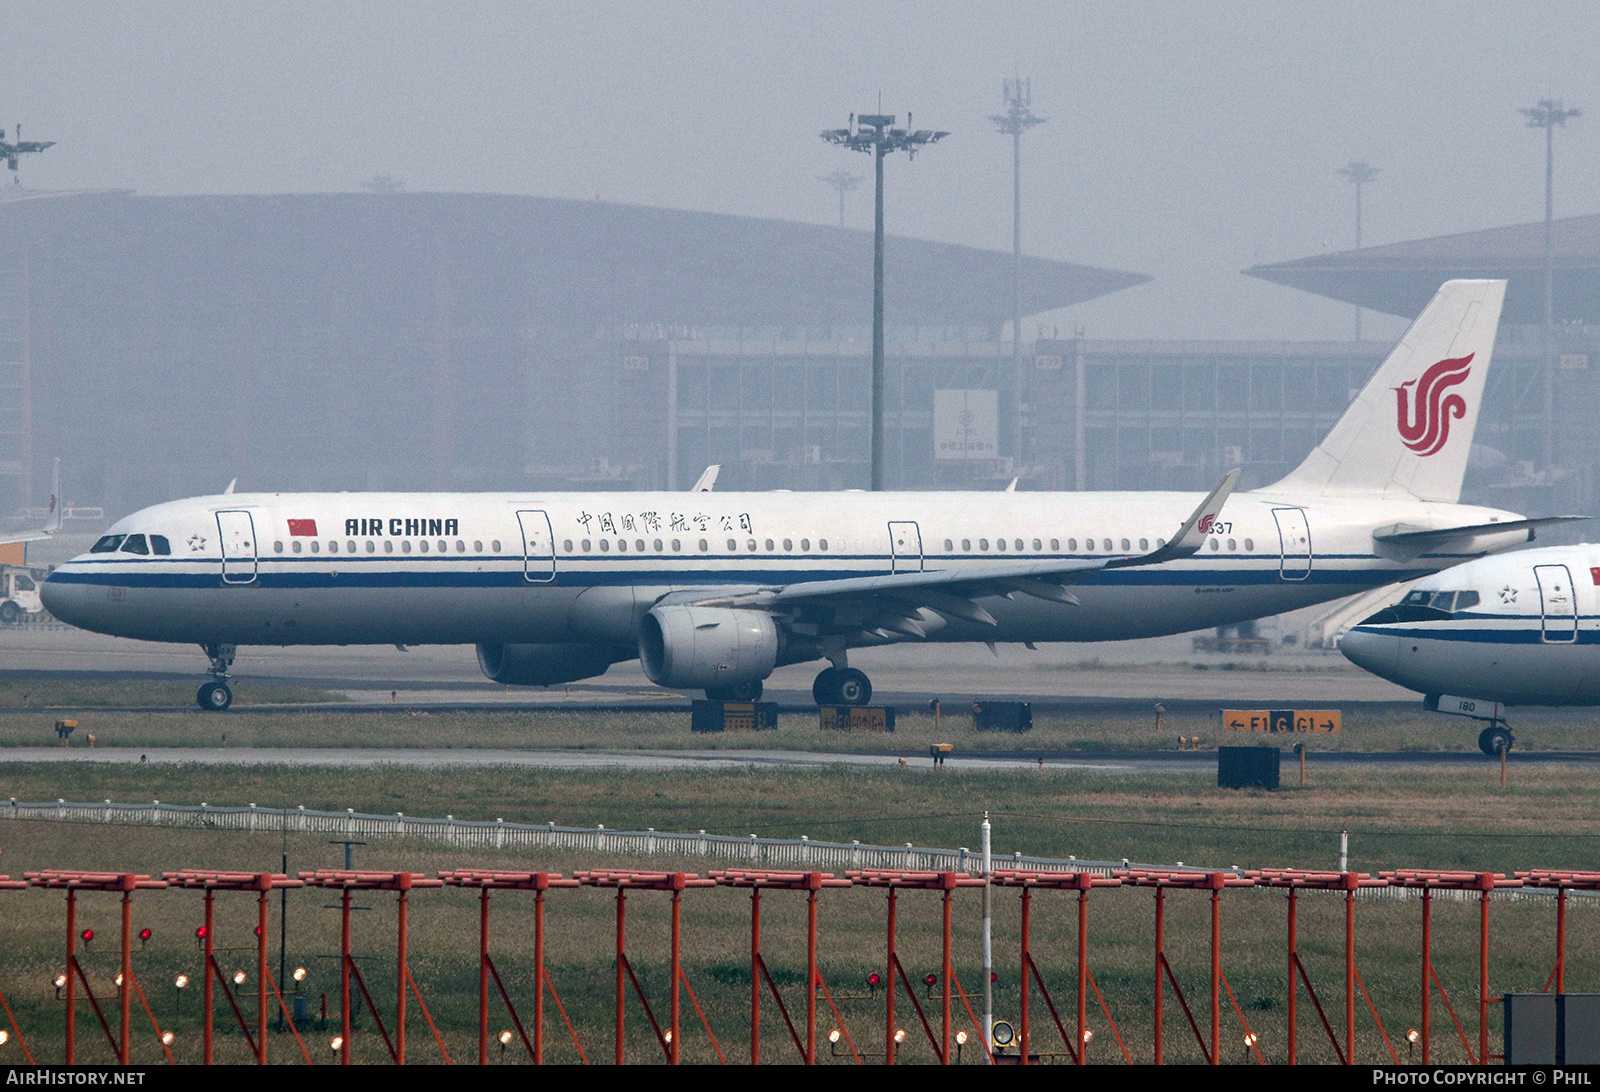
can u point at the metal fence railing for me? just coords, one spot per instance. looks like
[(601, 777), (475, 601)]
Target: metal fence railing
[(752, 851)]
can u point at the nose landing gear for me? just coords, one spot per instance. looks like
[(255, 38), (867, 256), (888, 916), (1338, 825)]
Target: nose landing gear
[(215, 696), (1495, 738)]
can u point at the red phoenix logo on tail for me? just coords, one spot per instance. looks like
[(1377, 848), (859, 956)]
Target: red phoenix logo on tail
[(1425, 427)]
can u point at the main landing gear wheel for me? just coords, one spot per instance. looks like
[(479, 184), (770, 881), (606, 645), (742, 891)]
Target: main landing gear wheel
[(841, 686), (10, 613), (750, 691), (1494, 739), (214, 697)]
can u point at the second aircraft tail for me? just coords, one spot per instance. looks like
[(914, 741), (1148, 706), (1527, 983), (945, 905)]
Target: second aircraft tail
[(1410, 428)]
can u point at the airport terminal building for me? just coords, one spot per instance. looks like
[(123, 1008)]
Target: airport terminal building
[(161, 346)]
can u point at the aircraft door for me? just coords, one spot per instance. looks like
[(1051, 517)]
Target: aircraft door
[(1294, 543), (905, 548), (538, 547), (236, 533), (1557, 604)]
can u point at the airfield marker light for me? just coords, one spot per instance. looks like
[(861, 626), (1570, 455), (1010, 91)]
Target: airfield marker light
[(239, 978), (257, 932), (167, 1037), (5, 1036), (833, 1036), (181, 981), (1250, 1038), (299, 974), (86, 936), (961, 1041), (144, 938), (336, 1044), (899, 1035), (505, 1040), (874, 980)]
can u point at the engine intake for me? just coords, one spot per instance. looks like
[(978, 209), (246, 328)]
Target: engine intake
[(546, 665), (707, 647)]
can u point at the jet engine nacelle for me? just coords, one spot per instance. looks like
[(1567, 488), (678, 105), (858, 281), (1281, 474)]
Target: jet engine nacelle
[(707, 647), (546, 665)]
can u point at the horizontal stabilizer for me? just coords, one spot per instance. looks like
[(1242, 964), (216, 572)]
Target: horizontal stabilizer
[(1439, 535)]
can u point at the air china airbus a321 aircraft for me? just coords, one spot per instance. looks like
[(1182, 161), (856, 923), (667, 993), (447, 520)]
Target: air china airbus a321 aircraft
[(714, 591)]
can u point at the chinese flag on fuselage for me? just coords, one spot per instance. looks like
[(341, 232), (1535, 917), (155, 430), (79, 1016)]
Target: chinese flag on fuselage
[(303, 527)]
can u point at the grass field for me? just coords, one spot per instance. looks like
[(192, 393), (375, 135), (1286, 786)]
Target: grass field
[(637, 730), (1440, 817)]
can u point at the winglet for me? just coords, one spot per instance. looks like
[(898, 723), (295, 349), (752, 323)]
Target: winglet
[(1192, 535), (53, 522), (707, 480)]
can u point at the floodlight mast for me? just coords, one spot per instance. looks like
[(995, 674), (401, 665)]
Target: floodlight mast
[(1547, 115), (875, 135), (1358, 173), (1018, 119), (843, 182)]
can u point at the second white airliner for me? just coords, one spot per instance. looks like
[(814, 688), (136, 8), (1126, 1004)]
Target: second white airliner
[(714, 591)]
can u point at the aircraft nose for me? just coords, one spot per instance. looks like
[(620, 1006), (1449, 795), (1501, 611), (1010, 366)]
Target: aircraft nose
[(65, 601), (1372, 650)]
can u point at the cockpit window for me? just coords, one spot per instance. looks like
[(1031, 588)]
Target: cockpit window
[(135, 544), (107, 545), (1425, 606), (160, 545)]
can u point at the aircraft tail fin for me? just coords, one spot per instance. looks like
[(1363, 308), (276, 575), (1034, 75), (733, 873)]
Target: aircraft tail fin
[(1410, 428)]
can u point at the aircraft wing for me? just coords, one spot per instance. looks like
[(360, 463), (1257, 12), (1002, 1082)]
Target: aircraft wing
[(892, 602)]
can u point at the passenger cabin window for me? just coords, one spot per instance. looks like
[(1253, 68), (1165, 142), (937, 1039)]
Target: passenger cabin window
[(316, 546), (295, 546), (277, 547)]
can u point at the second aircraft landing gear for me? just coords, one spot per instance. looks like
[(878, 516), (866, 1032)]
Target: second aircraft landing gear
[(1495, 738), (841, 686), (215, 696)]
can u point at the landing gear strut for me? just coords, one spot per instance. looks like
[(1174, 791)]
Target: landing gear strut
[(215, 696), (841, 686), (1495, 738)]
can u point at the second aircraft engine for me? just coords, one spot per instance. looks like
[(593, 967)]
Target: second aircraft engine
[(546, 665), (707, 647)]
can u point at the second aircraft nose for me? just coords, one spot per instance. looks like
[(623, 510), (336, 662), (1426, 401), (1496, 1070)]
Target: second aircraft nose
[(1372, 651)]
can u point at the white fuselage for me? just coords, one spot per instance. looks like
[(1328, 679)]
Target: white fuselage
[(381, 568), (1521, 629)]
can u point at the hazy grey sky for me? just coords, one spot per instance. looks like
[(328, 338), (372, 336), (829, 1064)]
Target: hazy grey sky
[(1184, 141)]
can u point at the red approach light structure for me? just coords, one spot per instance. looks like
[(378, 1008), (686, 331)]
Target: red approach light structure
[(125, 883), (263, 883), (677, 883), (1485, 883), (811, 883), (1349, 883), (948, 883), (1216, 883), (1082, 883), (487, 880), (402, 883)]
